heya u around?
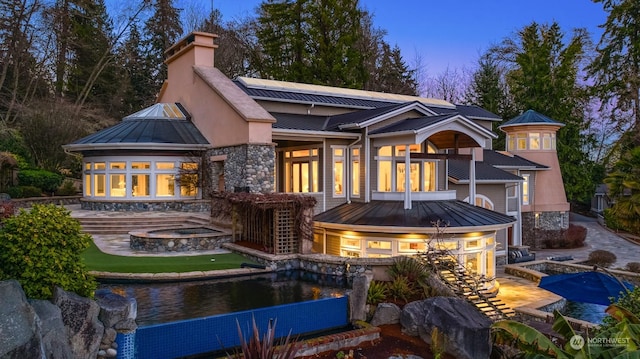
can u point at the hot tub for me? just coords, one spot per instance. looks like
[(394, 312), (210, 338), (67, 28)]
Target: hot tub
[(179, 239)]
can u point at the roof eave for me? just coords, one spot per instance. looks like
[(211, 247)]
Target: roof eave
[(136, 146), (403, 230), (315, 134)]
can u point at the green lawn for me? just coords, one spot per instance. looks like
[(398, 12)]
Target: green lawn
[(99, 261)]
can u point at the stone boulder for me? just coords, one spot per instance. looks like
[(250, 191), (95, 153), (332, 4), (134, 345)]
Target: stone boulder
[(115, 308), (20, 335), (54, 340), (358, 297), (465, 329), (386, 313), (80, 318)]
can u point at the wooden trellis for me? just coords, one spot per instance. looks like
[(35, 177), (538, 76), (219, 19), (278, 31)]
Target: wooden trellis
[(274, 223)]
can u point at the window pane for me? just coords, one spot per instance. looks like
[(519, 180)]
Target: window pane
[(87, 185), (191, 166), (355, 152), (189, 184), (429, 176), (379, 244), (140, 165), (165, 186), (525, 189), (546, 141), (415, 177), (117, 165), (384, 176), (165, 165), (100, 166), (315, 175), (534, 141), (338, 178), (300, 153), (522, 141), (400, 177), (87, 165), (118, 185), (140, 185), (412, 246), (511, 143), (99, 181), (355, 178), (384, 151)]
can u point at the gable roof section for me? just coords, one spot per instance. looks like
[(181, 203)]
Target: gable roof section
[(531, 117), (485, 173), (477, 113), (244, 105), (160, 126), (372, 216), (508, 160), (364, 118)]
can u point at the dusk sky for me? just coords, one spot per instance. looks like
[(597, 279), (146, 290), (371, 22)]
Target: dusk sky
[(453, 33)]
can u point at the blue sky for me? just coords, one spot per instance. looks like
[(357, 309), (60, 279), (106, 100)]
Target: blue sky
[(453, 33)]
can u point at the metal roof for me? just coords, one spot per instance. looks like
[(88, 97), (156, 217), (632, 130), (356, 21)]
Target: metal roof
[(158, 125), (531, 117), (292, 121), (459, 170), (452, 213), (412, 124), (505, 159)]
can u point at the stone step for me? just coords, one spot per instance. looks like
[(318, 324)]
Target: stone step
[(124, 225)]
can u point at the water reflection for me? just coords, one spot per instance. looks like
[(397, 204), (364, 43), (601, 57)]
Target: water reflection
[(589, 312), (168, 302)]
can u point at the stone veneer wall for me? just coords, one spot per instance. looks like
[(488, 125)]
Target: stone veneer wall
[(251, 166), (550, 225), (201, 205)]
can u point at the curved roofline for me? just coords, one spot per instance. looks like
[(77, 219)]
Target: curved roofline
[(135, 146), (404, 230)]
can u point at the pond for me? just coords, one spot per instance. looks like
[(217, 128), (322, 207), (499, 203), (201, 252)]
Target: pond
[(169, 302)]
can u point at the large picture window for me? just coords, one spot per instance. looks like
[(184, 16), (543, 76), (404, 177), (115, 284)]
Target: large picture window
[(338, 171), (122, 178), (393, 175), (355, 172)]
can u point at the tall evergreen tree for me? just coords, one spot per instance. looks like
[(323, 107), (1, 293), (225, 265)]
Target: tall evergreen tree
[(616, 67), (92, 74), (624, 186), (136, 90), (488, 90), (160, 32), (392, 74), (543, 76)]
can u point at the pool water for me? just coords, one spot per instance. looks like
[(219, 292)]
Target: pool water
[(169, 302), (589, 312)]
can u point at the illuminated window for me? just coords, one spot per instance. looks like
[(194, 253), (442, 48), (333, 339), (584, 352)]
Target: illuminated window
[(100, 183), (338, 172), (525, 189), (553, 141), (522, 141), (536, 221), (511, 142), (350, 242), (482, 201), (301, 171), (140, 185), (546, 141), (355, 172), (118, 185), (534, 141), (392, 174), (379, 244), (165, 185), (189, 179), (412, 246)]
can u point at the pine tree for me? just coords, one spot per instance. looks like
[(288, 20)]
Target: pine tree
[(161, 31), (616, 67), (136, 89), (543, 76)]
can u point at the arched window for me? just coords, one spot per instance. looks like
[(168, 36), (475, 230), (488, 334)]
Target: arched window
[(482, 201)]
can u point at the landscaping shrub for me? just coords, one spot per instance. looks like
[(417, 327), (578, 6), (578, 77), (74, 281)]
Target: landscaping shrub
[(24, 191), (400, 289), (41, 249), (67, 189), (15, 192), (633, 267), (601, 258), (7, 210), (377, 292), (265, 347), (572, 237), (47, 181), (629, 301), (610, 220)]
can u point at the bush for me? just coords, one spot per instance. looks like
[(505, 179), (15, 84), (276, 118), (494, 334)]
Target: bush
[(575, 236), (377, 292), (601, 258), (41, 249), (67, 189), (633, 267), (24, 192), (610, 220), (629, 301), (400, 289), (7, 210), (47, 181)]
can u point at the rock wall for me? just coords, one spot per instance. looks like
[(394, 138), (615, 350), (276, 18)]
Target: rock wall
[(250, 167), (68, 326)]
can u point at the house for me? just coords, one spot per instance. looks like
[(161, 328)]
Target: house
[(390, 172)]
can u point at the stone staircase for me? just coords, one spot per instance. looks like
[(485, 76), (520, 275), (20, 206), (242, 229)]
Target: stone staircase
[(466, 286), (123, 224)]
